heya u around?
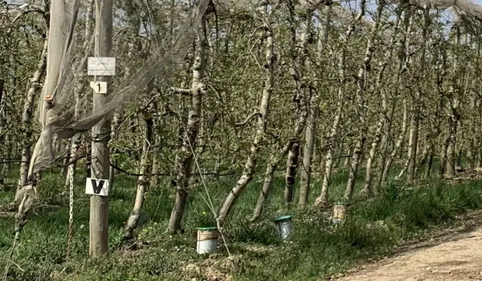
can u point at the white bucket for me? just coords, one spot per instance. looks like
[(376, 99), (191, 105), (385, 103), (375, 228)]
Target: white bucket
[(207, 240), (284, 226), (339, 212)]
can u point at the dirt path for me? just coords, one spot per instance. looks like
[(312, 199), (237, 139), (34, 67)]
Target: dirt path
[(456, 255)]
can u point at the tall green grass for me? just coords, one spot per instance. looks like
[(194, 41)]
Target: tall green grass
[(372, 228), (317, 247)]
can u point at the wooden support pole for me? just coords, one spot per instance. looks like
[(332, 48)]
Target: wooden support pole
[(99, 205)]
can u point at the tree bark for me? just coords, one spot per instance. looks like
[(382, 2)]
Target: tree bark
[(27, 120), (454, 114), (398, 146), (404, 59), (299, 63), (145, 169), (360, 107), (308, 152), (383, 114), (322, 200), (290, 175), (277, 156), (250, 165), (273, 163), (185, 155)]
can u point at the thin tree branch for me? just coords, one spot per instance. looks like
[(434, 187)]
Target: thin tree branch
[(247, 119), (180, 91)]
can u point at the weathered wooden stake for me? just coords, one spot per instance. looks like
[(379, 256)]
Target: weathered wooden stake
[(99, 205)]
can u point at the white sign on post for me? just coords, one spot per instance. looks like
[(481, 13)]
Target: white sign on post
[(99, 87), (97, 187), (101, 66)]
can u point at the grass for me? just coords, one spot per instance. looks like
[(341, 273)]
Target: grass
[(316, 249)]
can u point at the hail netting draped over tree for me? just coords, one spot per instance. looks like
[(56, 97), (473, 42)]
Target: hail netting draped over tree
[(56, 105), (463, 6)]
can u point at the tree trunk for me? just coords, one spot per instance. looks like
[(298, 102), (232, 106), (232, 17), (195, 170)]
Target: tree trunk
[(290, 175), (250, 165), (2, 83), (367, 187), (268, 178), (360, 106), (470, 155), (27, 117), (404, 59), (185, 155), (297, 72), (355, 160), (450, 162), (398, 146), (454, 114), (277, 156), (145, 169), (413, 140), (308, 152), (322, 200), (3, 138)]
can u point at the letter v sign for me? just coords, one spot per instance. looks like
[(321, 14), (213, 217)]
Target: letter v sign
[(97, 187)]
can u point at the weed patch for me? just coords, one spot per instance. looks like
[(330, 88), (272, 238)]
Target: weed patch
[(317, 247)]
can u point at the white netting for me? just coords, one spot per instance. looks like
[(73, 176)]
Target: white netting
[(458, 6), (56, 104), (56, 110)]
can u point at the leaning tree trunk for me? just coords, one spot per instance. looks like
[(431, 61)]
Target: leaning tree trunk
[(360, 107), (144, 171), (277, 156), (273, 163), (383, 114), (308, 151), (398, 145), (27, 120), (185, 155), (297, 72), (250, 165), (454, 115), (404, 59), (322, 200)]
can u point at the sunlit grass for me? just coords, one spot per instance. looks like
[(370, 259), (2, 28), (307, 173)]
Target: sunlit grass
[(317, 247)]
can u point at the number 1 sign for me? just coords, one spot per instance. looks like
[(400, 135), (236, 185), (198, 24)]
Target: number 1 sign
[(99, 87)]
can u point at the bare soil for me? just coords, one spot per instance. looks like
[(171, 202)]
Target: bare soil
[(454, 254)]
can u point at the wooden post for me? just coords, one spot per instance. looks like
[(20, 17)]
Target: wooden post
[(99, 205)]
